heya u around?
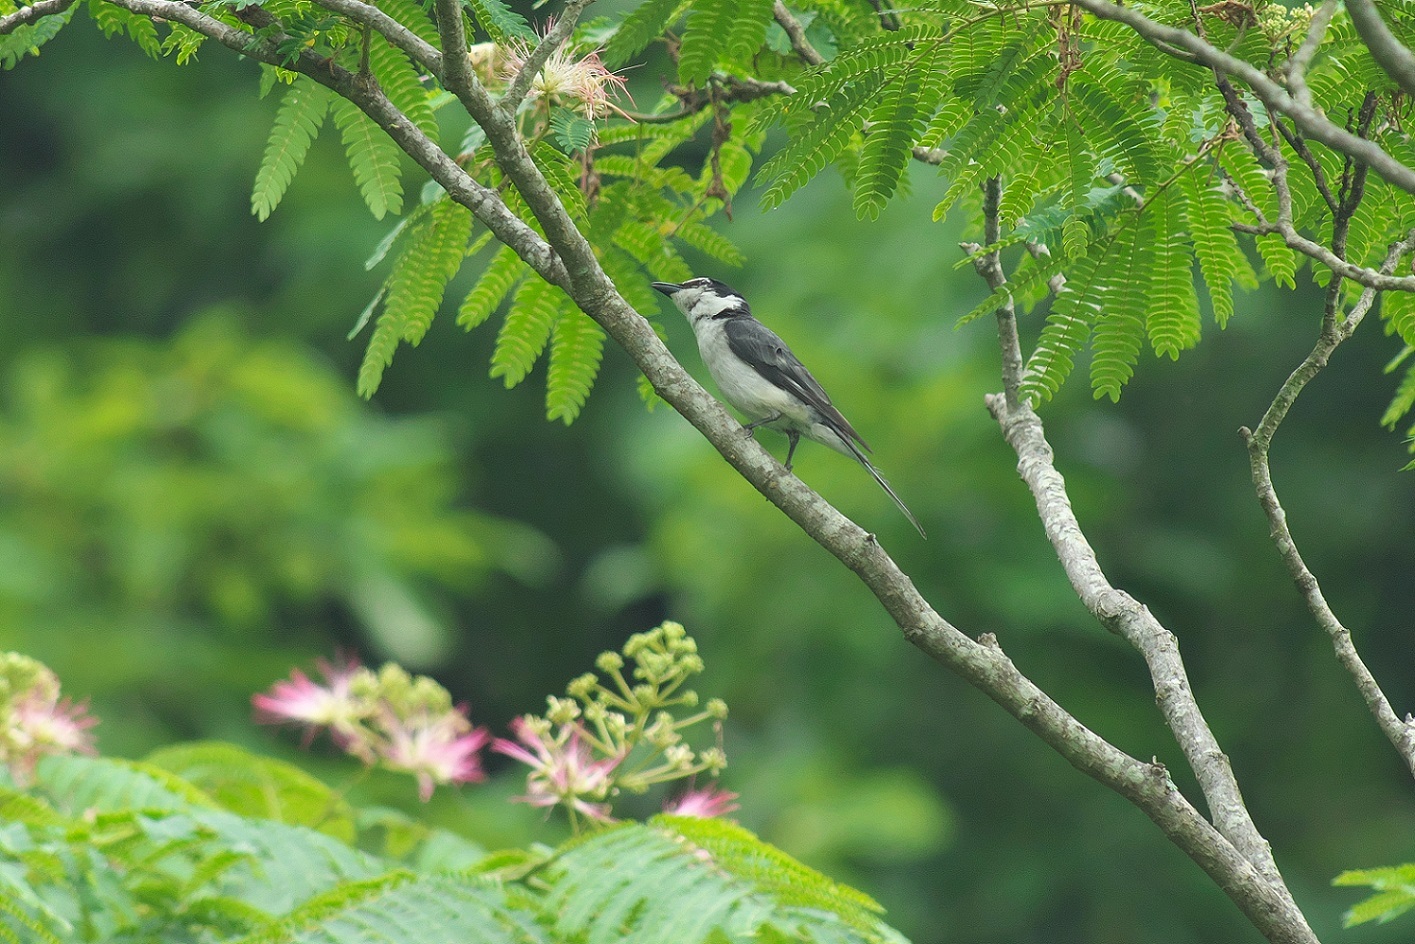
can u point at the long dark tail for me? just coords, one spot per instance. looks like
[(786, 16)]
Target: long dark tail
[(869, 467)]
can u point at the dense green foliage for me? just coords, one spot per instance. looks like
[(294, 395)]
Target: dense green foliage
[(206, 843), (793, 633)]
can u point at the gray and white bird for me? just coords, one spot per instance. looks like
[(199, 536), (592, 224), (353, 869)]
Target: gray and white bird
[(758, 374)]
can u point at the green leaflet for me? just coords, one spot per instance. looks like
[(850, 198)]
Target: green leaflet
[(1220, 259), (1398, 312), (896, 122), (643, 26), (413, 15), (500, 276), (381, 910), (113, 20), (373, 157), (808, 153), (399, 81), (297, 122), (1404, 399), (1068, 325), (717, 32), (705, 39), (748, 30), (252, 785), (526, 329), (500, 22), (26, 40), (573, 131), (576, 348), (421, 273), (1393, 896), (1172, 316), (710, 242), (432, 254), (1114, 128), (1021, 283), (698, 881), (1119, 331)]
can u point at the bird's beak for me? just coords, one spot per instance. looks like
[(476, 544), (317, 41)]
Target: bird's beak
[(667, 288)]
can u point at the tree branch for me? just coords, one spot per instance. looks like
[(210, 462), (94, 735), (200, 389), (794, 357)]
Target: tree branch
[(366, 14), (1390, 55), (797, 34), (1116, 610), (566, 258), (554, 38), (1296, 71), (1277, 99), (27, 15), (1401, 734)]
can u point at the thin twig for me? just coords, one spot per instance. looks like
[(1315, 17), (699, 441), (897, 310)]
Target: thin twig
[(1296, 71), (35, 11), (1401, 734), (797, 34), (1276, 98), (1397, 61), (1319, 175), (368, 15), (1115, 609), (554, 38)]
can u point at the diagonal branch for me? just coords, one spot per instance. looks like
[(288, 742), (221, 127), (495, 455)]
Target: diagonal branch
[(1296, 70), (566, 258), (368, 15), (35, 11), (557, 36), (797, 34), (1401, 734), (1277, 99), (1116, 610), (484, 203), (1397, 61)]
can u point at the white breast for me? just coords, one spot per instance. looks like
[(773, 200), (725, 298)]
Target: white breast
[(742, 386)]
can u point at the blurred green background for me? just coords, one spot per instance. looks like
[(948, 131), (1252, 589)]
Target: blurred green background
[(192, 500)]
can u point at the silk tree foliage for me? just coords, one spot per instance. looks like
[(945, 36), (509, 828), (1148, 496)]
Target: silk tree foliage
[(1124, 161)]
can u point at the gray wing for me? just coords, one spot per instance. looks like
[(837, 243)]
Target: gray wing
[(759, 346)]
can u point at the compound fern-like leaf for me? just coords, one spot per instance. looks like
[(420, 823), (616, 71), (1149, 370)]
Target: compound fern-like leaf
[(421, 273), (500, 22), (576, 348), (373, 157), (643, 26), (807, 153), (1220, 259), (400, 82), (748, 30), (896, 122), (413, 15), (1172, 316), (500, 276), (1119, 331), (26, 40), (710, 242), (526, 330), (297, 122), (705, 39)]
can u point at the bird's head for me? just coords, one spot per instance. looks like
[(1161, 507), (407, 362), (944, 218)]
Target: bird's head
[(703, 298)]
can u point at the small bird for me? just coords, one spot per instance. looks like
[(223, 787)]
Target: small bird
[(759, 375)]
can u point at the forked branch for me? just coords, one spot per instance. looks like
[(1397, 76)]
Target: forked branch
[(1335, 330)]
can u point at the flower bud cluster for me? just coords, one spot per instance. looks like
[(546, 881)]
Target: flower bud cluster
[(34, 720), (388, 719), (616, 732)]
